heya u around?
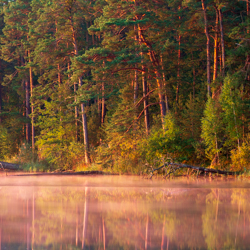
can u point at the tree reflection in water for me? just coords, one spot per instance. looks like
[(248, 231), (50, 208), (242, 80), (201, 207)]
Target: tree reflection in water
[(124, 217)]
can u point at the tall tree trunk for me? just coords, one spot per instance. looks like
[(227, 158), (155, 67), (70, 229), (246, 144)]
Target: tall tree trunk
[(216, 46), (178, 67), (161, 97), (136, 87), (208, 49), (103, 104), (76, 113), (145, 101), (76, 108), (222, 43), (156, 66), (1, 103), (32, 108), (164, 84), (194, 76), (248, 11), (27, 105), (85, 129), (84, 117)]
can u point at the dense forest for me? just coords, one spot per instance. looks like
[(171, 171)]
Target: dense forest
[(120, 85)]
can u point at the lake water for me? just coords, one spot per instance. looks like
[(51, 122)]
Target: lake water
[(121, 212)]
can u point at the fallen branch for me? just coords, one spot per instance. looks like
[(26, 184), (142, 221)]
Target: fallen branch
[(173, 167), (10, 166)]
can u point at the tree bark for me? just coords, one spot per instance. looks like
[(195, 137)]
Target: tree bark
[(103, 103), (164, 84), (216, 46), (1, 103), (156, 66), (248, 11), (84, 117), (222, 43), (32, 108), (136, 87), (178, 67), (208, 49), (145, 101), (27, 104)]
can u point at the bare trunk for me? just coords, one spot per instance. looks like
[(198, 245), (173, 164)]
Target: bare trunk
[(136, 87), (145, 101), (87, 35), (32, 108), (222, 43), (161, 97), (164, 84), (103, 103), (27, 105), (178, 72), (248, 11), (208, 49), (76, 114), (85, 129), (156, 66), (194, 82), (84, 117), (216, 46), (1, 103)]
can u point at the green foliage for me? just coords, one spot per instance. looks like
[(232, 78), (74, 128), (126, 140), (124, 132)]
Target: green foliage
[(5, 143), (232, 107), (99, 53), (241, 156), (166, 144), (211, 128)]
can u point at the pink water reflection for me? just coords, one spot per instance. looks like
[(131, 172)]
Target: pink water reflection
[(123, 213)]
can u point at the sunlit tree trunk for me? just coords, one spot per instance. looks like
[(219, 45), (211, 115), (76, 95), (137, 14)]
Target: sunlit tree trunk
[(103, 103), (84, 117), (215, 74), (164, 84), (27, 105), (103, 99), (145, 100), (222, 42), (136, 87), (32, 107), (156, 65), (208, 49)]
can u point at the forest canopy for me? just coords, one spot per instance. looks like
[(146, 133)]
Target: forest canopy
[(121, 84)]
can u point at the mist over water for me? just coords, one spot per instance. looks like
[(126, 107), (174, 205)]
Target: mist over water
[(123, 212)]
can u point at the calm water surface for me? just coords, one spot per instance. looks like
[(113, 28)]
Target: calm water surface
[(90, 212)]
